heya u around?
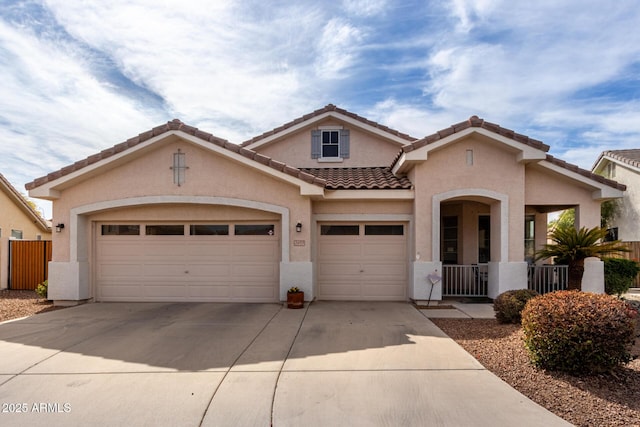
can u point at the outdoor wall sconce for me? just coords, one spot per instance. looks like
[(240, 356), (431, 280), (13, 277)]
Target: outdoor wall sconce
[(59, 227), (299, 227)]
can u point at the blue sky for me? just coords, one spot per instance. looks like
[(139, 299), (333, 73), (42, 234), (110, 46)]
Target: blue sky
[(79, 77)]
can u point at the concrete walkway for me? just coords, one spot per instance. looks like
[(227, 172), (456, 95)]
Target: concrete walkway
[(459, 310), (330, 364)]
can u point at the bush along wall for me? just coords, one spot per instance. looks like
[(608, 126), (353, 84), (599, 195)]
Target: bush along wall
[(619, 274), (578, 332)]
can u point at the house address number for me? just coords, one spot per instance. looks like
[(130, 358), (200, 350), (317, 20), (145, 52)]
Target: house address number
[(299, 242)]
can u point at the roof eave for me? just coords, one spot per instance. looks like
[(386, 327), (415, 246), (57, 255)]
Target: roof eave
[(51, 190)]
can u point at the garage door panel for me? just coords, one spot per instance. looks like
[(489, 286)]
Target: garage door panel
[(340, 290), (245, 292), (338, 269), (379, 270), (187, 268), (362, 267), (381, 250), (340, 250), (111, 270), (255, 250), (243, 271), (209, 270)]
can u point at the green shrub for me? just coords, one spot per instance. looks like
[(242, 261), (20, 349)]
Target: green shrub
[(619, 274), (508, 305), (43, 289), (578, 332)]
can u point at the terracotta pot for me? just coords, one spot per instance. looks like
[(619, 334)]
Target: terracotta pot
[(295, 300)]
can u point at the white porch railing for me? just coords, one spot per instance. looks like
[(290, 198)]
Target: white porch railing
[(465, 280), (548, 278)]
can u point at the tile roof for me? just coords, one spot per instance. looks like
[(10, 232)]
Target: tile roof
[(326, 109), (585, 173), (630, 157), (177, 125), (476, 122), (365, 178)]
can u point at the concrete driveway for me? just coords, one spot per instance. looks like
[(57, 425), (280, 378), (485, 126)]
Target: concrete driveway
[(173, 364)]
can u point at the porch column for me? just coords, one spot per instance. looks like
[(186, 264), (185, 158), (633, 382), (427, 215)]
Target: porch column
[(505, 273), (593, 278)]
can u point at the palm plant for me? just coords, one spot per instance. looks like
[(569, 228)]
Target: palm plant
[(572, 246)]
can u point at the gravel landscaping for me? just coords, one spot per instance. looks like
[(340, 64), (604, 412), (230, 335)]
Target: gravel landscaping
[(597, 400), (15, 304)]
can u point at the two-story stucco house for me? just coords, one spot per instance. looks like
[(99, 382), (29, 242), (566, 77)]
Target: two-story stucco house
[(18, 221), (623, 166), (338, 205)]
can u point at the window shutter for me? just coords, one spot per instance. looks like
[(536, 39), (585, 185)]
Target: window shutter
[(316, 144), (344, 143)]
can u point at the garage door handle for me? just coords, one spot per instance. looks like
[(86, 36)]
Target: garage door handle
[(186, 271), (361, 271)]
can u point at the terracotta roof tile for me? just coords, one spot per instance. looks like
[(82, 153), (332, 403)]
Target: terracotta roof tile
[(326, 109), (475, 121), (366, 178), (586, 173), (167, 127), (630, 157)]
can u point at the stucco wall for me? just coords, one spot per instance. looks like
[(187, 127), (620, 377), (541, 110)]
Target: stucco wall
[(494, 169), (209, 174), (628, 220), (363, 207), (365, 149), (543, 187), (14, 218)]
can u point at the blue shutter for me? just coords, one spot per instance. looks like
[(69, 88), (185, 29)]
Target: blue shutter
[(316, 144), (344, 143)]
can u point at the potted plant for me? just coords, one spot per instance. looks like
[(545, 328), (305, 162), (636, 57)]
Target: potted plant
[(295, 298)]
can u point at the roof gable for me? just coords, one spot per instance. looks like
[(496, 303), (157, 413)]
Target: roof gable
[(329, 111), (20, 201), (629, 158), (48, 186), (530, 150)]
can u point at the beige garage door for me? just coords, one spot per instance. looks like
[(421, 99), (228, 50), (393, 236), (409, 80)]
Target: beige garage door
[(364, 262), (187, 262)]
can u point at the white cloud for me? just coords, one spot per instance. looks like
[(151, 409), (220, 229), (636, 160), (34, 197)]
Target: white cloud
[(336, 48), (364, 7)]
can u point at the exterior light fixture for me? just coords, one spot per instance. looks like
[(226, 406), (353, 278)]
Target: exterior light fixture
[(299, 227), (59, 227)]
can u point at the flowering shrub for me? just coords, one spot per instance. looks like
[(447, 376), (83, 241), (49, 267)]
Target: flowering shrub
[(578, 332), (293, 290)]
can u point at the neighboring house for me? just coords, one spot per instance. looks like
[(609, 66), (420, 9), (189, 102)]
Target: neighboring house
[(623, 166), (18, 221), (338, 205)]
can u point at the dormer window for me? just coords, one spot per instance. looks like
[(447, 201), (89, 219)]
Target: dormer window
[(330, 144)]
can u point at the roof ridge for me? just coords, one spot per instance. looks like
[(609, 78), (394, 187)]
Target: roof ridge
[(327, 108), (475, 121), (176, 125)]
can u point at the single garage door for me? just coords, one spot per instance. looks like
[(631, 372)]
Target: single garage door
[(187, 262), (365, 262)]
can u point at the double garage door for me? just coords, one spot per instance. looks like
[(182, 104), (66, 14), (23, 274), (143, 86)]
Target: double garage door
[(362, 262), (187, 262)]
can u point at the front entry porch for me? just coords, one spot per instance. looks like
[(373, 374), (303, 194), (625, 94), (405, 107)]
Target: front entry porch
[(473, 280)]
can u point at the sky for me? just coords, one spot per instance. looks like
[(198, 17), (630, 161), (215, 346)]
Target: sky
[(77, 77)]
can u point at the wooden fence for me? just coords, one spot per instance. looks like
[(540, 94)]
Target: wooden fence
[(28, 263)]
